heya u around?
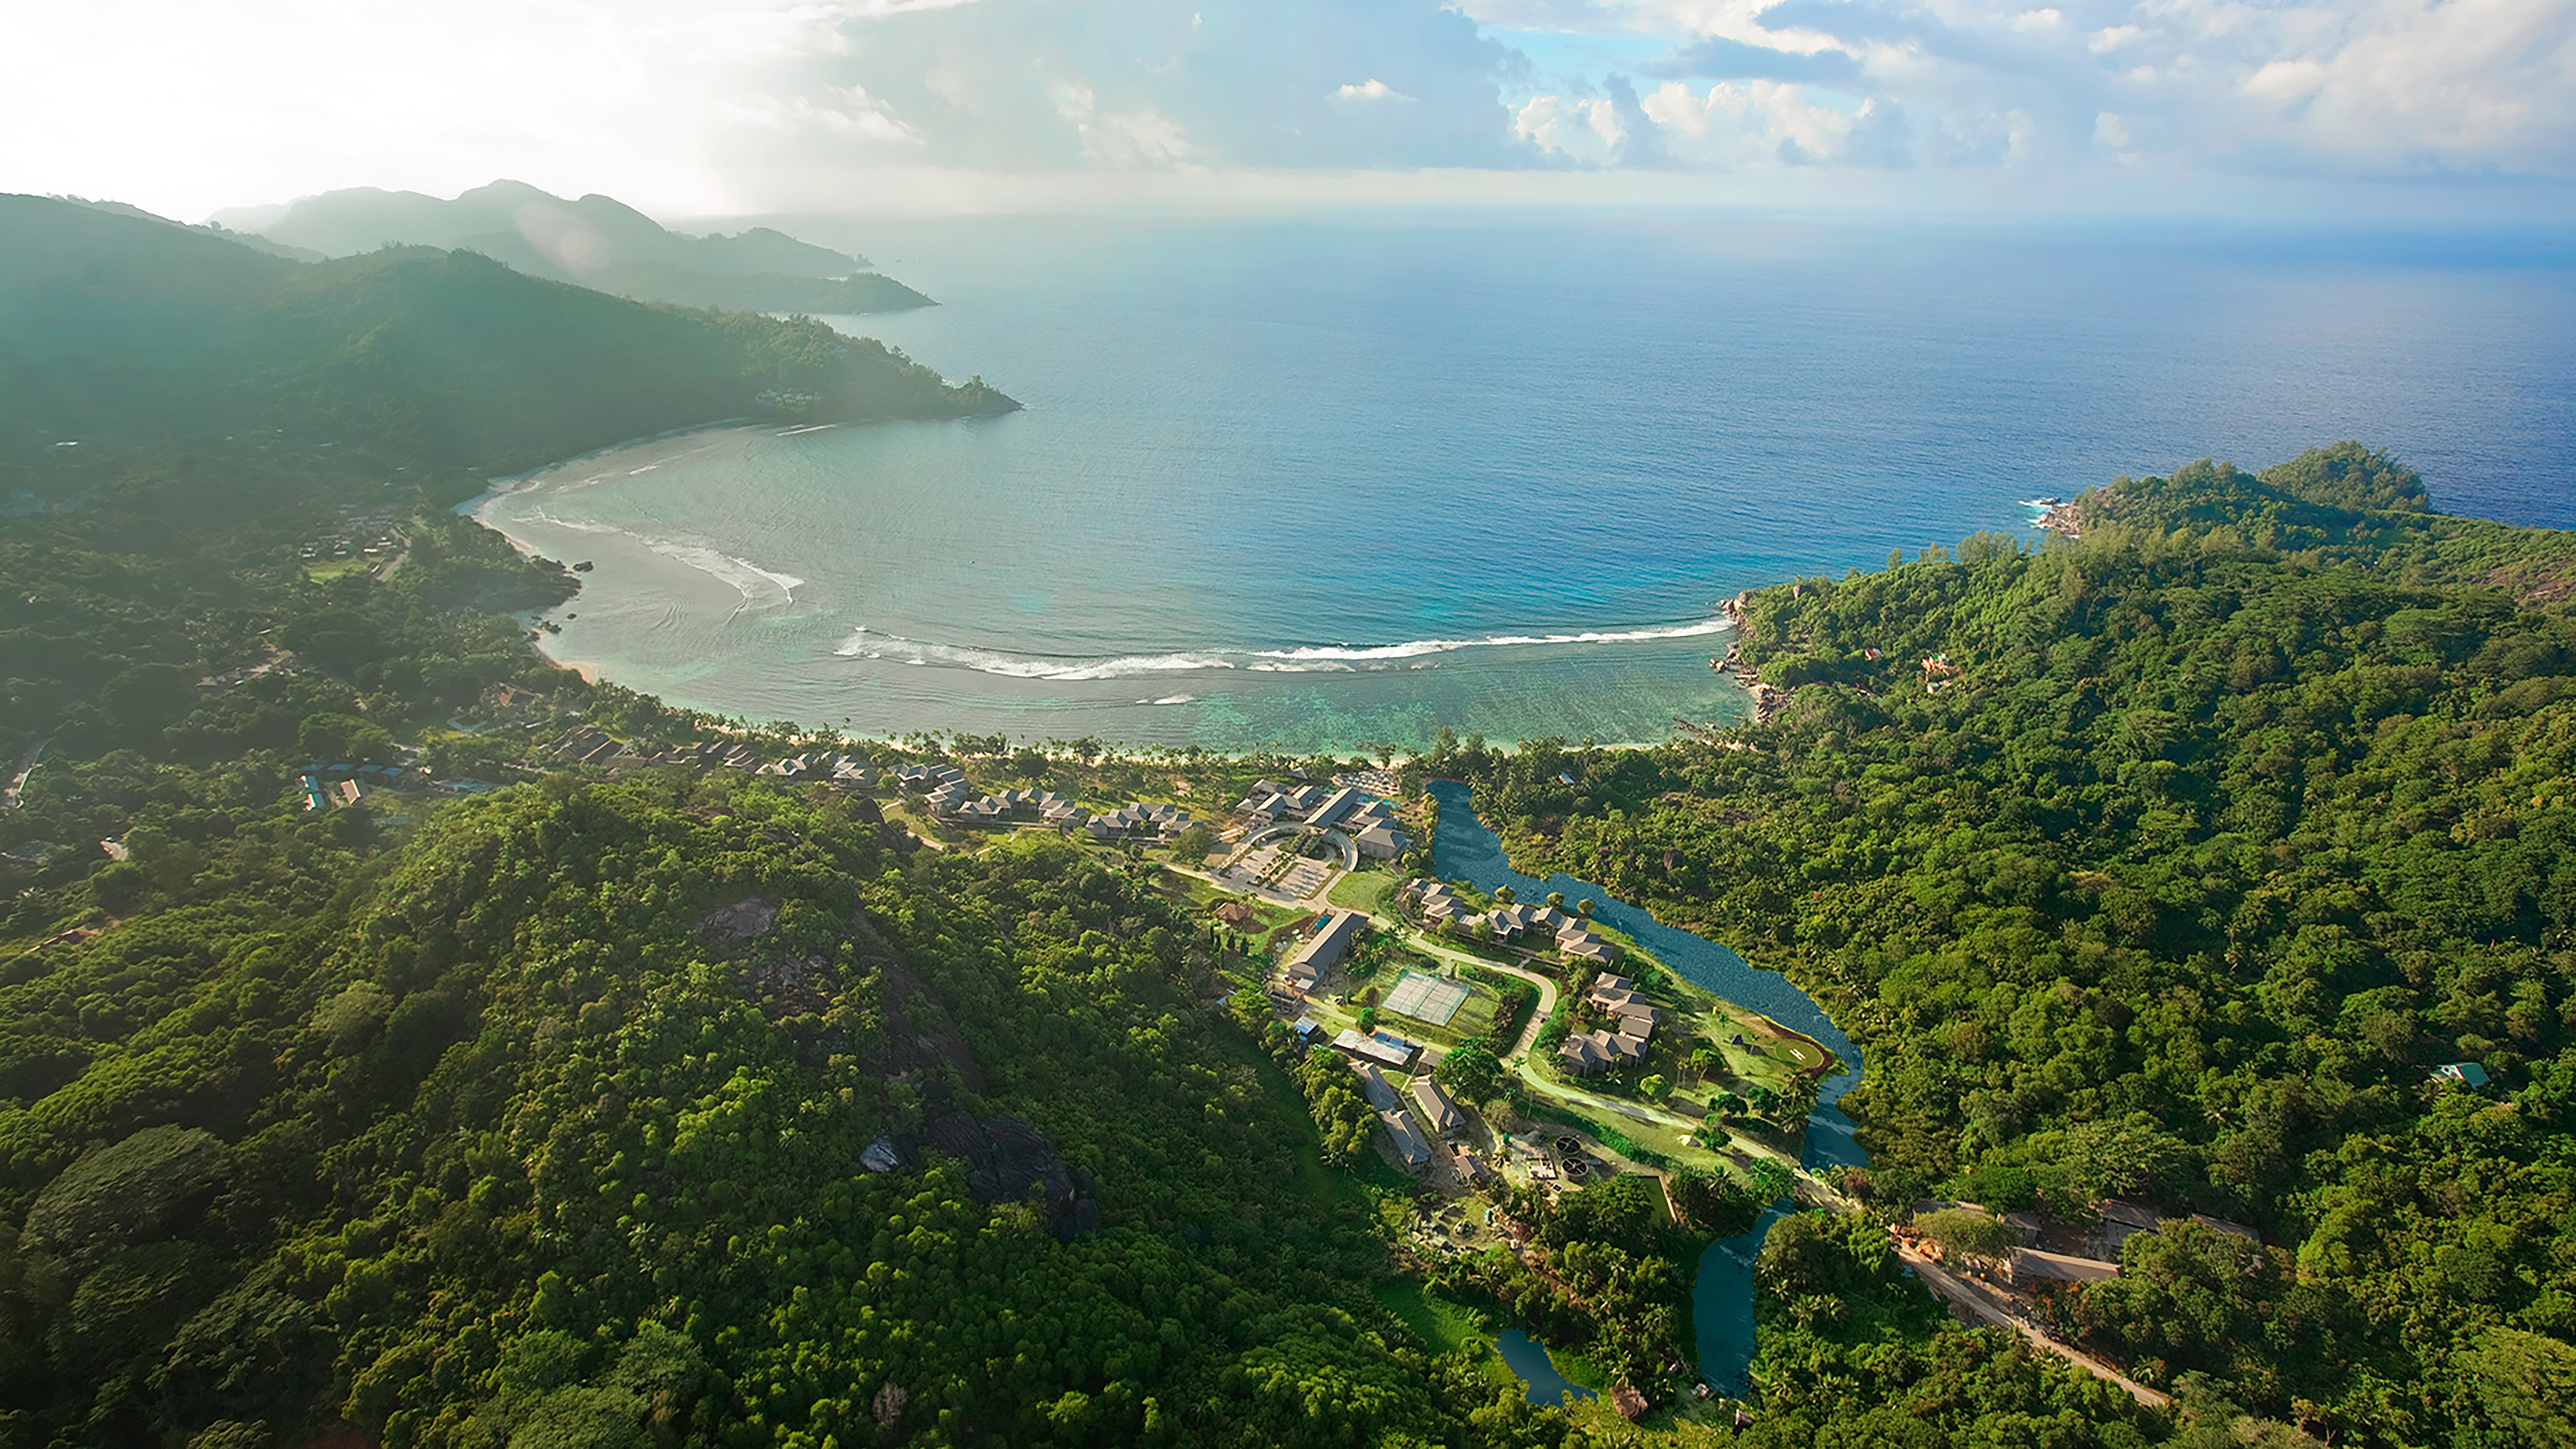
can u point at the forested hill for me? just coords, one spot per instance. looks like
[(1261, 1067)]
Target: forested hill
[(550, 1130), (2172, 862), (118, 327)]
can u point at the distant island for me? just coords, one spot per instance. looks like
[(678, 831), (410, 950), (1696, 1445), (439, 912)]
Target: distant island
[(117, 324), (595, 241)]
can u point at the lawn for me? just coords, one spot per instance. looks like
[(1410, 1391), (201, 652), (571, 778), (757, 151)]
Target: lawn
[(1372, 891), (1446, 1326)]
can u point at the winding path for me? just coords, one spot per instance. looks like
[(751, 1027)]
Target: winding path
[(26, 766), (1986, 1309)]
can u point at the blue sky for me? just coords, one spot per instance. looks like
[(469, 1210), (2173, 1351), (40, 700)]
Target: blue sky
[(2430, 109)]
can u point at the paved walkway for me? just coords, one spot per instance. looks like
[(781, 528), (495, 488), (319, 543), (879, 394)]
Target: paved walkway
[(1987, 1307), (26, 767)]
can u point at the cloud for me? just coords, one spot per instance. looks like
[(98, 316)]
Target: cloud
[(713, 105), (1183, 82), (1585, 132), (1715, 57)]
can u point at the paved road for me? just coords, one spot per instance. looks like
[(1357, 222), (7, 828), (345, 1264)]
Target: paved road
[(26, 767), (1987, 1309)]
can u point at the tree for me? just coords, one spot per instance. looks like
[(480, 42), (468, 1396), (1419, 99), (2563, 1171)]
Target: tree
[(1653, 1087), (1968, 1235), (1503, 895), (1472, 1071), (1583, 908), (1556, 899)]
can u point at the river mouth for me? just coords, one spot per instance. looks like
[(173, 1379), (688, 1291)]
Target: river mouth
[(1722, 1292)]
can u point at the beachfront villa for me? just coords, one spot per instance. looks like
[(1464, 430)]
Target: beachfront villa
[(1150, 819)]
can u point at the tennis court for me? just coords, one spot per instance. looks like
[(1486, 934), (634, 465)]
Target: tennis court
[(1426, 998)]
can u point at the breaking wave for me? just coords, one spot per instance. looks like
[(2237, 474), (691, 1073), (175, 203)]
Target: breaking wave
[(756, 584), (1313, 659)]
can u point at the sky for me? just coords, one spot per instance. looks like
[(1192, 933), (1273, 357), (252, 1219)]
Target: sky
[(2423, 109)]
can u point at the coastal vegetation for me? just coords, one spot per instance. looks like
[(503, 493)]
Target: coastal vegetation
[(700, 1107), (2212, 835)]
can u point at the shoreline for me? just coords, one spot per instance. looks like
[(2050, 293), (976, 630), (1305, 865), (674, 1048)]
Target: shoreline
[(1032, 690)]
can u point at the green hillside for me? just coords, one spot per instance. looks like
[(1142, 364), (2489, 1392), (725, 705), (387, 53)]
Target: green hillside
[(2204, 842), (114, 327)]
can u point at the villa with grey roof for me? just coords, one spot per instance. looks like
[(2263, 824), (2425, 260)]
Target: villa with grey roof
[(1333, 939), (1367, 820), (1601, 1049)]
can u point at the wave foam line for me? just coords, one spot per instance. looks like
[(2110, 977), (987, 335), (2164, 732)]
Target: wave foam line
[(1319, 659), (747, 578)]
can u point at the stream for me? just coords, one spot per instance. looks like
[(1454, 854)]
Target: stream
[(1722, 1294)]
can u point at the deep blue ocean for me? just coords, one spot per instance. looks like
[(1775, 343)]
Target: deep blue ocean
[(1340, 482)]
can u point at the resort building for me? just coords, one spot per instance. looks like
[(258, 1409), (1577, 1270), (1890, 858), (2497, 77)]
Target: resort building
[(1393, 1055), (1588, 1052), (1576, 939), (1618, 996), (1381, 842), (848, 771), (1334, 936), (1441, 906), (922, 779), (1375, 1087), (1150, 819), (1409, 1146), (1438, 1112), (1368, 821)]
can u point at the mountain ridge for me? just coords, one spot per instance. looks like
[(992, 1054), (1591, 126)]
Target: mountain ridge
[(593, 240)]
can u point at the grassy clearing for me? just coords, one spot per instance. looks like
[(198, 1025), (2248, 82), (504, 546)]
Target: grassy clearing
[(1367, 890), (1444, 1325), (328, 569)]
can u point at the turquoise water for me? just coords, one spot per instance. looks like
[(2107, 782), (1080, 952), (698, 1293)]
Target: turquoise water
[(1542, 1384), (1722, 1294), (1341, 482)]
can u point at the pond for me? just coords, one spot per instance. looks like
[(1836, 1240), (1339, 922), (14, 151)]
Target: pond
[(1528, 1358), (1722, 1295)]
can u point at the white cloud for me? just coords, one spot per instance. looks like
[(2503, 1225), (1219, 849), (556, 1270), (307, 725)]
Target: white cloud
[(713, 105), (1587, 132)]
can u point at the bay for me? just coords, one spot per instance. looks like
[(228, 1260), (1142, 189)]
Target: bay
[(1338, 482)]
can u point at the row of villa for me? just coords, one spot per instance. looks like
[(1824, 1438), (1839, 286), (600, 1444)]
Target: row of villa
[(1367, 820), (1585, 1053), (945, 790), (1570, 934)]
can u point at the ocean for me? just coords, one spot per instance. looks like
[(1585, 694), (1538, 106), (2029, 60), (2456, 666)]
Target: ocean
[(1333, 484)]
